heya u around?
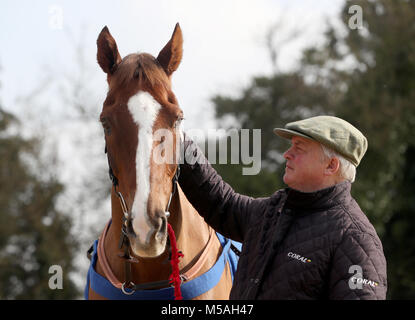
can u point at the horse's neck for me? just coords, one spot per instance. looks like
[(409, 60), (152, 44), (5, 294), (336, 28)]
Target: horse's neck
[(192, 234)]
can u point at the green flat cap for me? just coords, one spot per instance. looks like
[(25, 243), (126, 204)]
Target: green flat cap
[(333, 132)]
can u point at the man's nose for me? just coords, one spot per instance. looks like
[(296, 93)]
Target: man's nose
[(287, 154)]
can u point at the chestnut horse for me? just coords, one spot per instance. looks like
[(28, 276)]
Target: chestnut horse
[(132, 254)]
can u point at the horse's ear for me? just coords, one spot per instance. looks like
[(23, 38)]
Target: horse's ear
[(108, 56), (171, 55)]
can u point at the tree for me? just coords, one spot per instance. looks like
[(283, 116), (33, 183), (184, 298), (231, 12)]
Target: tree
[(34, 234)]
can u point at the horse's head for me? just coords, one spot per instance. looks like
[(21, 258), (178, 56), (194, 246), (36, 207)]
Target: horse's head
[(139, 105)]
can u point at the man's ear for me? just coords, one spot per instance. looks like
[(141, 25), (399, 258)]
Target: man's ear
[(171, 55), (333, 166), (108, 56)]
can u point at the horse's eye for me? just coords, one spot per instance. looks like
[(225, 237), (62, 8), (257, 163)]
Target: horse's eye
[(106, 126)]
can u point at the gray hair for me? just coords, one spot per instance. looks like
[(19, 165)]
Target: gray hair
[(347, 169)]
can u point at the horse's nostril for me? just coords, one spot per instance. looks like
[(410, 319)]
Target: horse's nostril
[(163, 226)]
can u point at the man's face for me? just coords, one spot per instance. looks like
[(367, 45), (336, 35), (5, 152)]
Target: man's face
[(305, 166)]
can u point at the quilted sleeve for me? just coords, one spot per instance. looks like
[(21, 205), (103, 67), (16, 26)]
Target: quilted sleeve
[(358, 268), (225, 210)]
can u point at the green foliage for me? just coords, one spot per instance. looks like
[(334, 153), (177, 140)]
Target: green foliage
[(376, 93), (34, 235)]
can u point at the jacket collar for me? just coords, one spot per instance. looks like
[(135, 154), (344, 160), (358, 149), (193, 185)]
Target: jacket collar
[(318, 200)]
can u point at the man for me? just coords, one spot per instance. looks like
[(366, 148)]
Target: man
[(308, 241)]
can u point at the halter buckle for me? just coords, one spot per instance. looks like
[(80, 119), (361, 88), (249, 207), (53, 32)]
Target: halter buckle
[(183, 278), (128, 293)]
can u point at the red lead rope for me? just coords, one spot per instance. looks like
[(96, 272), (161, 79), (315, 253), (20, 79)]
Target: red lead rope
[(175, 255)]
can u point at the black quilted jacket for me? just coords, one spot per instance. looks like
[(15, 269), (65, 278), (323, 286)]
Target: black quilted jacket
[(296, 245)]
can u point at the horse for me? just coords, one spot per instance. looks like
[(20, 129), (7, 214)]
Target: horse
[(131, 258)]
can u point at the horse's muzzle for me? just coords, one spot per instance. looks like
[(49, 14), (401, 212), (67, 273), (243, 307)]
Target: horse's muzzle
[(153, 244)]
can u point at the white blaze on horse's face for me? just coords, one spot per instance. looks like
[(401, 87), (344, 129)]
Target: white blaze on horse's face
[(144, 110)]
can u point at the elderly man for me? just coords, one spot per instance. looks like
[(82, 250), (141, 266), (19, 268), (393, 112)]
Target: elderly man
[(308, 241)]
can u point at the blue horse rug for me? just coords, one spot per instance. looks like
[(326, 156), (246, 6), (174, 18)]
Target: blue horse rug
[(189, 289)]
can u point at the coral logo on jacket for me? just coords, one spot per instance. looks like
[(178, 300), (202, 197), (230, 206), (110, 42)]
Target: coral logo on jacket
[(357, 281), (298, 257)]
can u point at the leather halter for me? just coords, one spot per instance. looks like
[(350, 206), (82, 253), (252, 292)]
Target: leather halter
[(188, 272)]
